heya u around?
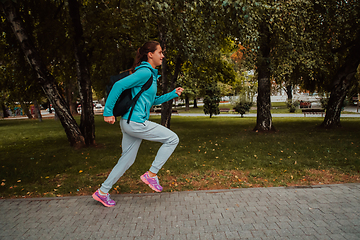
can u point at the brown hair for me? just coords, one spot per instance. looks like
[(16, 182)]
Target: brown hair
[(142, 52)]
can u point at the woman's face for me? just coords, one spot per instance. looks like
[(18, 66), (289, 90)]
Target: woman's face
[(155, 58)]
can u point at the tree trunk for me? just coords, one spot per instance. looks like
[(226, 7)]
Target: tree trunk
[(263, 117), (69, 93), (45, 79), (37, 111), (342, 82), (26, 110), (187, 103), (4, 109), (289, 92), (70, 100), (166, 107), (195, 103), (167, 86), (87, 124)]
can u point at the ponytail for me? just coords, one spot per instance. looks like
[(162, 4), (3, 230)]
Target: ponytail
[(142, 53)]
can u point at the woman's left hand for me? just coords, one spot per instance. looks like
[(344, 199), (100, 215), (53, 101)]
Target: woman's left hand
[(110, 119), (179, 91)]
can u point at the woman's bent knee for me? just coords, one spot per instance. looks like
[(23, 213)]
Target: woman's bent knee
[(174, 140)]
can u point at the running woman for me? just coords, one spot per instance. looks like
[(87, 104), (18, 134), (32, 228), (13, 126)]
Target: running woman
[(148, 57)]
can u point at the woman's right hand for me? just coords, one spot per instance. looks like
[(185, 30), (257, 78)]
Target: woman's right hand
[(179, 90), (110, 120)]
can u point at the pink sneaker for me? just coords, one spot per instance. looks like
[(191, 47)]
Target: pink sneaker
[(106, 200), (153, 182)]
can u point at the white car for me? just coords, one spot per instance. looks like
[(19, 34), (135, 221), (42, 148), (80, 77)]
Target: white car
[(98, 107)]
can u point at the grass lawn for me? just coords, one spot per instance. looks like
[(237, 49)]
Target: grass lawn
[(217, 153)]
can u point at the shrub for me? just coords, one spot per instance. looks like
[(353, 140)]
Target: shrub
[(292, 105), (242, 105), (211, 100)]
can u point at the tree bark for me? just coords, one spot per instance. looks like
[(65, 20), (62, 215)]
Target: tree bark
[(26, 110), (342, 81), (45, 79), (166, 108), (195, 103), (289, 92), (37, 111), (69, 93), (187, 103), (4, 109), (263, 117), (87, 124)]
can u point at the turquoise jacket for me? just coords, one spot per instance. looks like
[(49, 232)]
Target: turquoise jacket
[(146, 100)]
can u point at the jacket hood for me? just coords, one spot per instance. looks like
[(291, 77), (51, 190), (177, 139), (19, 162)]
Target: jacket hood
[(148, 65)]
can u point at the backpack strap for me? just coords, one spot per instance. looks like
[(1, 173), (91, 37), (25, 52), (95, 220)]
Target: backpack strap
[(145, 87)]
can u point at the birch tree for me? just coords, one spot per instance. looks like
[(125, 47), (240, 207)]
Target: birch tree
[(44, 77)]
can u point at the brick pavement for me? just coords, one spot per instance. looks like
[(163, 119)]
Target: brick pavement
[(318, 212)]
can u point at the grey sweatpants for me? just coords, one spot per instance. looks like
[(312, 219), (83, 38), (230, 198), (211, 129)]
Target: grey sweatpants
[(133, 134)]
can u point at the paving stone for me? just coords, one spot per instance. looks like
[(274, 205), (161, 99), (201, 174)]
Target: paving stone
[(219, 236), (319, 212), (206, 236), (232, 235), (192, 236)]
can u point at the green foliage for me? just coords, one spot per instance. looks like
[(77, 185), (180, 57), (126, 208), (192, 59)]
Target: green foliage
[(196, 75), (324, 102), (225, 89), (326, 32), (211, 100), (309, 40), (19, 81), (190, 85), (292, 105), (242, 104), (114, 31)]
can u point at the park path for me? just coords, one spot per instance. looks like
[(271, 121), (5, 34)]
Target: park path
[(316, 212)]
